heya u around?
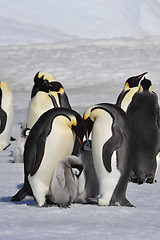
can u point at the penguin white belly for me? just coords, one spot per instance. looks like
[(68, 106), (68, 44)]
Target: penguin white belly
[(7, 106), (37, 106), (59, 144), (101, 133), (128, 98)]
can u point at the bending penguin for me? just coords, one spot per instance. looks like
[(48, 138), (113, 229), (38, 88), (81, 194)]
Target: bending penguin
[(110, 146), (58, 95), (6, 115), (39, 104), (130, 88), (49, 95), (144, 118), (39, 79), (64, 185), (50, 139)]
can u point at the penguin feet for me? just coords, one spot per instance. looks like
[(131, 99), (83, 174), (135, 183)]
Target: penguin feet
[(91, 201), (142, 178), (121, 202)]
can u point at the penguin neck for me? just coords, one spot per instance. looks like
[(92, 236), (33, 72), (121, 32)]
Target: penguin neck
[(128, 98)]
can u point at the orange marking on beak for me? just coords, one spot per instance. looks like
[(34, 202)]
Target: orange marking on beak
[(87, 135)]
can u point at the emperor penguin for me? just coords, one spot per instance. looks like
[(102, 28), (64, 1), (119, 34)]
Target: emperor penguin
[(58, 95), (6, 115), (50, 139), (110, 146), (39, 104), (64, 181), (144, 119), (39, 78), (88, 179), (130, 88)]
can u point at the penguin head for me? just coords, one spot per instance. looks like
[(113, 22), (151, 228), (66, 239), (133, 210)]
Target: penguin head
[(3, 85), (77, 126), (41, 76), (74, 163), (57, 87), (77, 168), (88, 122), (145, 85), (133, 81), (25, 132), (44, 87), (87, 145)]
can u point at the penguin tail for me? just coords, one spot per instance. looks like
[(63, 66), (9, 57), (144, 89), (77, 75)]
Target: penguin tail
[(20, 195)]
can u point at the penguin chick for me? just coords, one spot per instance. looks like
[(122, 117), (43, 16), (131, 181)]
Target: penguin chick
[(19, 148), (143, 114), (6, 115), (89, 177), (39, 79), (130, 88), (64, 181)]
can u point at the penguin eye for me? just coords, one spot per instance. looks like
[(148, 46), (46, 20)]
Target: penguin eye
[(26, 132)]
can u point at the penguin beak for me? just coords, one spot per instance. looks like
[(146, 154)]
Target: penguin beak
[(141, 75), (78, 128)]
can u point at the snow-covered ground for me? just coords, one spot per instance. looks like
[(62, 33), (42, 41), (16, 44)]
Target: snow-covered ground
[(91, 47)]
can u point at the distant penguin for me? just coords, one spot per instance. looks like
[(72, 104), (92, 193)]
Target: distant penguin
[(64, 181), (6, 115), (39, 104), (110, 145), (144, 118), (19, 148), (91, 184), (58, 95), (39, 78), (130, 88), (51, 138)]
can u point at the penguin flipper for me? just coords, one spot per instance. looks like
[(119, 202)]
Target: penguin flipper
[(3, 120), (39, 152), (60, 175), (108, 149)]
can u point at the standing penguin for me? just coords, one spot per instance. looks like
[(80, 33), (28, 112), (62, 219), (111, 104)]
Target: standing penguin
[(110, 145), (6, 115), (58, 95), (64, 181), (130, 88), (88, 176), (51, 138), (39, 79), (144, 119)]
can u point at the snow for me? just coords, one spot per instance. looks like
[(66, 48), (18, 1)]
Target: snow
[(91, 47)]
